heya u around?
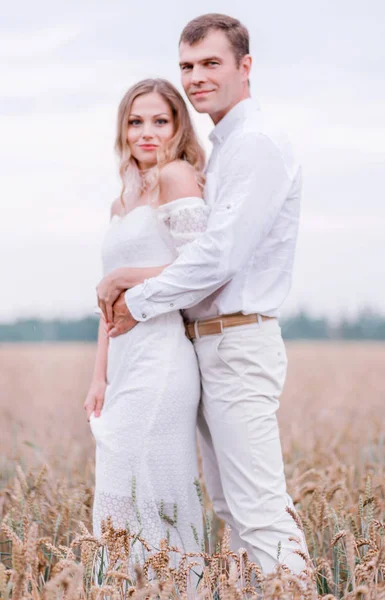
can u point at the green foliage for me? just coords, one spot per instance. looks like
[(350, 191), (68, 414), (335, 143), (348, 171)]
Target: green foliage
[(367, 326), (38, 330)]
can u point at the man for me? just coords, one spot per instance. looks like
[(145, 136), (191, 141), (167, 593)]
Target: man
[(233, 280)]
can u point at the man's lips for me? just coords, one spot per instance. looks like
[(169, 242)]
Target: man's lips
[(201, 93)]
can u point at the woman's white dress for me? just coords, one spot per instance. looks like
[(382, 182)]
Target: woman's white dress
[(146, 458)]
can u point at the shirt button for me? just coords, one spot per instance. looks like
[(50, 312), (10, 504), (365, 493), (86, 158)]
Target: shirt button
[(171, 304), (228, 206), (144, 316)]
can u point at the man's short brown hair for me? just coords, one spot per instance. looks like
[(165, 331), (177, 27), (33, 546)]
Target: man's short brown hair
[(237, 34)]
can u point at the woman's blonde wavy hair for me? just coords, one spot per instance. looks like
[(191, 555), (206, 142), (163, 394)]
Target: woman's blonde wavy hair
[(183, 145)]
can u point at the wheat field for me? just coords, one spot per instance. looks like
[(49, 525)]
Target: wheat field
[(332, 427)]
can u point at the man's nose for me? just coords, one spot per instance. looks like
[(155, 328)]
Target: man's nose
[(197, 75)]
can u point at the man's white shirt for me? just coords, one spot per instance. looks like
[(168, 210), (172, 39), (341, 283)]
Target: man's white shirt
[(243, 262)]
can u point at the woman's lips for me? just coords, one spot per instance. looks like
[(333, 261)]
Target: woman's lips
[(148, 147)]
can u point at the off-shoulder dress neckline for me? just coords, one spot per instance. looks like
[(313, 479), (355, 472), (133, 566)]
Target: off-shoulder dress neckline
[(162, 208)]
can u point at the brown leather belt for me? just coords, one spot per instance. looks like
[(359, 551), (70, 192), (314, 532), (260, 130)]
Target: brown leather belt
[(217, 324)]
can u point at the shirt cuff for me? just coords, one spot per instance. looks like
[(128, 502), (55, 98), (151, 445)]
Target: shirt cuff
[(137, 303)]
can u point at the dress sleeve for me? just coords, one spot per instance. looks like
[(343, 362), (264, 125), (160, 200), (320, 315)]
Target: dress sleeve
[(185, 218)]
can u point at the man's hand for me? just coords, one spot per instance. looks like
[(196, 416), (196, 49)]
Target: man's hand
[(122, 321), (108, 290)]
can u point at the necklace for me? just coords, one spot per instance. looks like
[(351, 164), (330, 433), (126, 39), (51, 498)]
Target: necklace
[(143, 172)]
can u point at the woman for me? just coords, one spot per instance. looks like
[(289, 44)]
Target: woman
[(147, 381)]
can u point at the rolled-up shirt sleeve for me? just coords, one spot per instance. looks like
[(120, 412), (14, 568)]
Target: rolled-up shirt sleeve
[(251, 192)]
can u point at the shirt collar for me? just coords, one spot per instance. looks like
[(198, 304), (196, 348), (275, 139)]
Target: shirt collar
[(235, 116)]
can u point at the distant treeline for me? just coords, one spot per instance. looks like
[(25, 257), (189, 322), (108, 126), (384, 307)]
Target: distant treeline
[(368, 326)]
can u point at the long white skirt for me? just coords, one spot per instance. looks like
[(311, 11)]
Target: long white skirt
[(146, 456)]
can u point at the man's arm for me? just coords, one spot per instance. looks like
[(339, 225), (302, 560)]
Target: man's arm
[(253, 187)]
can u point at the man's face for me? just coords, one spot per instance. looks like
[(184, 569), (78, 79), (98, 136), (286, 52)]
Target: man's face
[(210, 76)]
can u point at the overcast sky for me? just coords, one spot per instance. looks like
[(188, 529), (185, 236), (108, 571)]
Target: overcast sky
[(318, 69)]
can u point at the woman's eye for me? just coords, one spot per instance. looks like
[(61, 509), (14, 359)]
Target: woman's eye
[(161, 121), (134, 122)]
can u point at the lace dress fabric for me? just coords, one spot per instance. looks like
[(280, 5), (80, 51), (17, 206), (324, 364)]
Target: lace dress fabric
[(185, 218), (146, 458)]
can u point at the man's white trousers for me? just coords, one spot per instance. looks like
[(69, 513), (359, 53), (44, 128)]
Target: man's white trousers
[(243, 372)]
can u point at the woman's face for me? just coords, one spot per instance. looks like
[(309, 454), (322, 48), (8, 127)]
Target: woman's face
[(150, 126)]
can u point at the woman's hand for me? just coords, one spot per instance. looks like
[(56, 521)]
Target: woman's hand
[(95, 398), (118, 281), (108, 291)]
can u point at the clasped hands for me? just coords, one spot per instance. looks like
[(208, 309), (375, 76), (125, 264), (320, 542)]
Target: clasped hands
[(110, 293)]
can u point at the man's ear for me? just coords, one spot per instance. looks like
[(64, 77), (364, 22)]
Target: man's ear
[(245, 66)]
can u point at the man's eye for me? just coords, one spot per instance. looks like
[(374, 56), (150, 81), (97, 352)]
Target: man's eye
[(186, 67), (212, 62)]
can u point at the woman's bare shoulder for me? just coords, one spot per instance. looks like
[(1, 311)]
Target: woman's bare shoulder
[(178, 179), (117, 207), (176, 168)]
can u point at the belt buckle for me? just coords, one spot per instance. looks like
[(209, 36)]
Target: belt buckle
[(220, 323)]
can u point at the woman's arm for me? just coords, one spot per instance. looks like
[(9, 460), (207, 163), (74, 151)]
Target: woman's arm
[(120, 280), (128, 277), (100, 366), (95, 397)]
